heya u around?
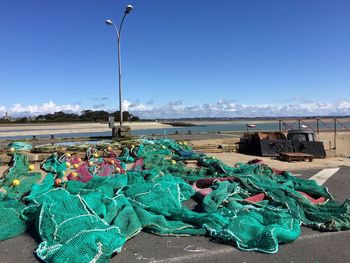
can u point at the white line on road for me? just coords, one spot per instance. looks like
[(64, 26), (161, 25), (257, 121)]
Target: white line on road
[(322, 176)]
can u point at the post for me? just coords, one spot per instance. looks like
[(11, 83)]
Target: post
[(335, 134), (120, 84), (280, 125), (299, 124), (318, 126), (119, 131), (111, 122), (335, 126)]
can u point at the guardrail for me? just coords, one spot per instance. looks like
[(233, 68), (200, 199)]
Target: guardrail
[(317, 125)]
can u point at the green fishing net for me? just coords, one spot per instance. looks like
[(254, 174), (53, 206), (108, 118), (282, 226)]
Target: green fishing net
[(250, 206), (70, 229), (19, 146), (15, 182), (11, 224)]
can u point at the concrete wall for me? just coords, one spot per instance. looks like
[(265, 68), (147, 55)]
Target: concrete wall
[(341, 143)]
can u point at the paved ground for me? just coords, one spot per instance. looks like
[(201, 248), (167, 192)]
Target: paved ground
[(312, 246)]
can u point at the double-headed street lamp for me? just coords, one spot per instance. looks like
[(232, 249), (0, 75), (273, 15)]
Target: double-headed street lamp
[(109, 22)]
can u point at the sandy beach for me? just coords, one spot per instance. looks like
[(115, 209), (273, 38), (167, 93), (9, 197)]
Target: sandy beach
[(67, 128)]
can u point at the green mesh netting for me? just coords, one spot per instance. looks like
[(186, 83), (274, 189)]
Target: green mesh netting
[(90, 218), (11, 223), (69, 228), (16, 182), (20, 146), (55, 164), (18, 171)]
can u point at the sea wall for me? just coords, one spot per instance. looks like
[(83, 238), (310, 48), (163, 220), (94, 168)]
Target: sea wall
[(336, 145)]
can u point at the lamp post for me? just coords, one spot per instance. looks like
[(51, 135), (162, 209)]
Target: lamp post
[(109, 22)]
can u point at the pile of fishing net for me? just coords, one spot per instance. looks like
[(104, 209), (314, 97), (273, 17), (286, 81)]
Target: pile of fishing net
[(85, 210), (69, 146)]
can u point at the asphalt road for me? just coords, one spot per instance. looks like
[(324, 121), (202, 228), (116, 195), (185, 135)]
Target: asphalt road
[(311, 246)]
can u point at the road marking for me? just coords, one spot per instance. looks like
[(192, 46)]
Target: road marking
[(322, 176), (191, 257)]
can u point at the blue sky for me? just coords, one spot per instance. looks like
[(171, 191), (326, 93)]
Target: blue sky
[(180, 58)]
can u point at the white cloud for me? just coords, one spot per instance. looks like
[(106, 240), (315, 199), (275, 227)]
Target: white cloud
[(177, 109), (18, 110), (2, 111), (231, 108), (126, 105)]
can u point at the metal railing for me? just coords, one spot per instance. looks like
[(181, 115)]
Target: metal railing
[(317, 125)]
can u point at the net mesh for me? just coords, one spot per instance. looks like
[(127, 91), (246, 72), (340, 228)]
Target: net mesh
[(98, 204)]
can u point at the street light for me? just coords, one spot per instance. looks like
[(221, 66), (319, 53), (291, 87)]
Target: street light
[(109, 22)]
